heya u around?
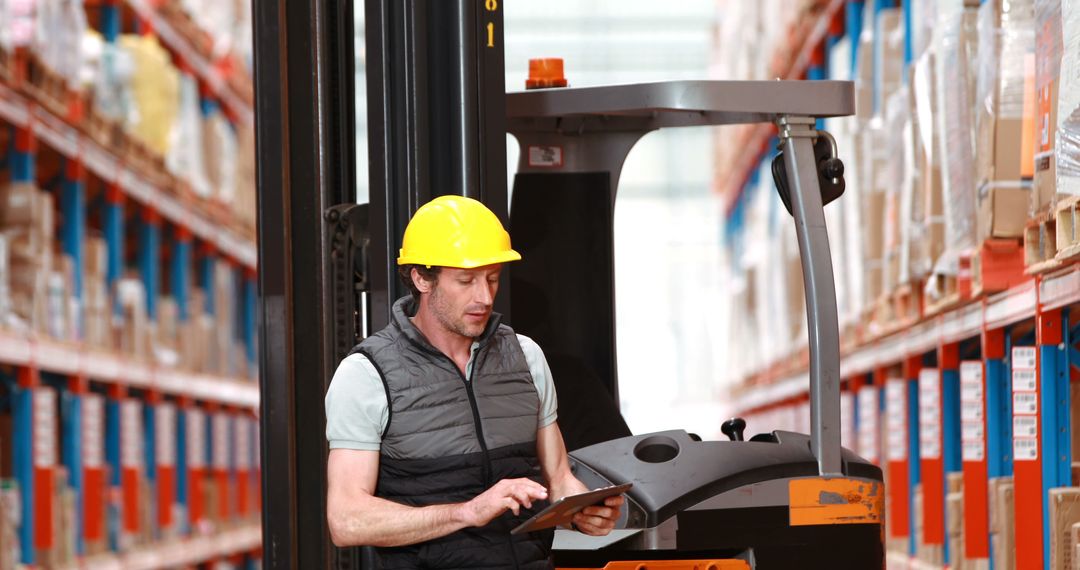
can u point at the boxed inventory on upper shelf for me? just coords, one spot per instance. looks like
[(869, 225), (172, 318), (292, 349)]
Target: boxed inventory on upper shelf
[(157, 104), (961, 164), (127, 284)]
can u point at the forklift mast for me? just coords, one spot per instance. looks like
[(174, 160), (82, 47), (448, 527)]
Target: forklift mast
[(437, 119)]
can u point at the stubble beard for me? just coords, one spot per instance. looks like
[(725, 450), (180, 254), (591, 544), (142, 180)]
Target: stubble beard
[(444, 313)]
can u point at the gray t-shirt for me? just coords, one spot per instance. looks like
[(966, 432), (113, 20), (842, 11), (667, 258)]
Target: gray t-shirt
[(356, 411)]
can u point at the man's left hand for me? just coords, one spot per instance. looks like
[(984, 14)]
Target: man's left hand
[(599, 520)]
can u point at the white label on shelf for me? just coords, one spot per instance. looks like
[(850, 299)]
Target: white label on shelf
[(195, 426), (1025, 426), (1025, 403), (1023, 358), (868, 422), (1025, 449), (973, 451), (971, 411), (929, 414), (1024, 381), (971, 381), (165, 434), (45, 427), (220, 443), (242, 432), (93, 430), (896, 443), (546, 156), (131, 433), (971, 431)]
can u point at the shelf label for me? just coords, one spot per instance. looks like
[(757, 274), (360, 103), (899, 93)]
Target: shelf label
[(972, 428), (1024, 381), (242, 433), (165, 434), (1025, 404), (1023, 358), (93, 430), (1026, 426), (896, 444), (1025, 449), (131, 433), (195, 425), (45, 427), (929, 414), (867, 401), (220, 449)]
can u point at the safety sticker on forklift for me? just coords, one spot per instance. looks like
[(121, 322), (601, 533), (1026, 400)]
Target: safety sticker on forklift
[(839, 500), (546, 156)]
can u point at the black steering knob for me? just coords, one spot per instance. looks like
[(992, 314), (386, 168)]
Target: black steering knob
[(733, 428)]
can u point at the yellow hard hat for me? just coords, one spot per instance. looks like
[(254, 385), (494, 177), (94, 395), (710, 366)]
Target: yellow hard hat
[(455, 231)]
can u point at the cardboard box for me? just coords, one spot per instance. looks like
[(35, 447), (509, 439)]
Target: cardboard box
[(954, 482), (1002, 212), (1064, 513), (954, 513), (96, 262), (1003, 514), (17, 204), (1044, 185)]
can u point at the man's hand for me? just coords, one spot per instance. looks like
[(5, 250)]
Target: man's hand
[(508, 494), (597, 520)]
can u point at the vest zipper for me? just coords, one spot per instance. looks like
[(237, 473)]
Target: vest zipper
[(483, 446)]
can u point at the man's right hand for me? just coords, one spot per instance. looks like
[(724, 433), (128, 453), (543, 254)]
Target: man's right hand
[(508, 494)]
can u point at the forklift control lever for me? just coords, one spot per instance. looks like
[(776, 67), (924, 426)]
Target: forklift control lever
[(733, 428)]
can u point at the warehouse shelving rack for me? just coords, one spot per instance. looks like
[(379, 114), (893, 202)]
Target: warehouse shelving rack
[(978, 393), (101, 414)]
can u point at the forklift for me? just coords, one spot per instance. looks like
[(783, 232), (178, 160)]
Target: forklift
[(438, 115)]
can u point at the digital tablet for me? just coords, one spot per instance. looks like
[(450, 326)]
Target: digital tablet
[(562, 511)]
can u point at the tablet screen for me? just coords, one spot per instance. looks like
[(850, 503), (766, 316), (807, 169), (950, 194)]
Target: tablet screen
[(562, 511)]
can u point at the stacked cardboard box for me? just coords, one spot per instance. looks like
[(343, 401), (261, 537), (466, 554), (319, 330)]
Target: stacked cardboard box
[(97, 303), (27, 220), (1002, 522), (1064, 514), (1066, 136), (131, 329), (1004, 121), (10, 521), (1048, 52)]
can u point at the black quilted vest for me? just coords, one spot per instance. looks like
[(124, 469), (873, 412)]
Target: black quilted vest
[(449, 438)]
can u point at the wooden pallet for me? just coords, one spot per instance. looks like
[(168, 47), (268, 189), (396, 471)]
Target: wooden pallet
[(1067, 235), (949, 285), (51, 90), (1040, 243)]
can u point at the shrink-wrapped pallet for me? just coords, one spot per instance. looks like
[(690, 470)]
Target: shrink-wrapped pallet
[(1067, 134), (1048, 60)]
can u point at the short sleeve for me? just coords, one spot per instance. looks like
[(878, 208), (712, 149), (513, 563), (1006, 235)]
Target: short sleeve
[(541, 374), (356, 408)]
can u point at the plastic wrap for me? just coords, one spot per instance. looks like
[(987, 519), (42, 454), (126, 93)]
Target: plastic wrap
[(185, 148), (154, 89), (59, 28), (1048, 52), (1068, 110), (955, 141), (1006, 32), (897, 138), (17, 23)]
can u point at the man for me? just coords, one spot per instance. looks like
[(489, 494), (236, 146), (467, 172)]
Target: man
[(442, 425)]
